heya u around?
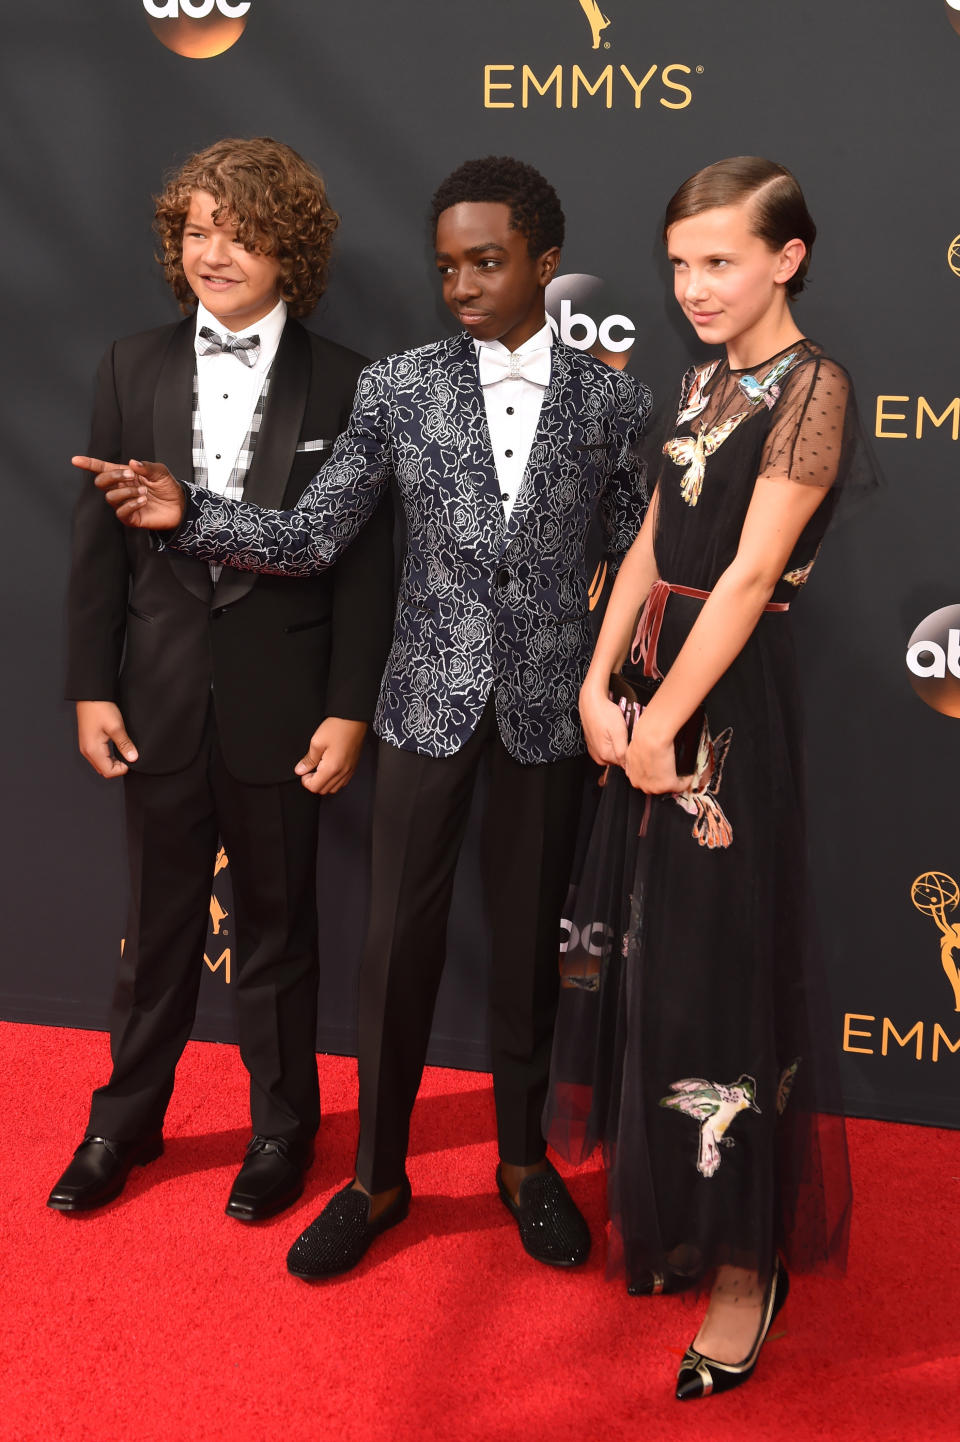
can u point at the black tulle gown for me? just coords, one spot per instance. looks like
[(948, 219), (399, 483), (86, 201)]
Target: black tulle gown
[(684, 1035)]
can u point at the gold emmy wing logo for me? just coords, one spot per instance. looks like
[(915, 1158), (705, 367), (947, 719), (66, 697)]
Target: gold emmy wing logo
[(596, 19), (935, 894), (953, 255), (952, 8), (197, 29), (516, 84), (218, 915)]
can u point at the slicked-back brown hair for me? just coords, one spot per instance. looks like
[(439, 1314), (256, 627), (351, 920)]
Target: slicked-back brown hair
[(777, 210), (277, 202)]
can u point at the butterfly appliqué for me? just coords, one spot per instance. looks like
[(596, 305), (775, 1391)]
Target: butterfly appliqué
[(693, 451)]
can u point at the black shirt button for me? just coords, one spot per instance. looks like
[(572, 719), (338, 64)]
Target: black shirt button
[(509, 410), (218, 457), (508, 453), (226, 396), (504, 495)]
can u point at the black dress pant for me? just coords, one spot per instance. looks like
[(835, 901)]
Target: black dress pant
[(270, 835), (420, 814)]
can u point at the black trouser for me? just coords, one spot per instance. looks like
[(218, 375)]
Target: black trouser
[(419, 818), (270, 835)]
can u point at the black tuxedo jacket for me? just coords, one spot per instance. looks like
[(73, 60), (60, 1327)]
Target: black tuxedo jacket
[(149, 630)]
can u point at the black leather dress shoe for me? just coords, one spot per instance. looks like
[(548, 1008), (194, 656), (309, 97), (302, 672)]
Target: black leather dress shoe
[(270, 1179), (340, 1236), (551, 1228), (99, 1171)]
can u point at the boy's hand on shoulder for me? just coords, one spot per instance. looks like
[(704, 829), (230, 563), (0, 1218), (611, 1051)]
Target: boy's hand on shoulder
[(99, 723), (144, 494), (333, 755)]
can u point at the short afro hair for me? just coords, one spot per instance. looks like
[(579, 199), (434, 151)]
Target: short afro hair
[(535, 209)]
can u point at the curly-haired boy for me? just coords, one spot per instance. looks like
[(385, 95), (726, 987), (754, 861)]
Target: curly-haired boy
[(203, 688)]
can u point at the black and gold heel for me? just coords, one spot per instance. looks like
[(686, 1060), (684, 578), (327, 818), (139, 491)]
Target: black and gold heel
[(699, 1376)]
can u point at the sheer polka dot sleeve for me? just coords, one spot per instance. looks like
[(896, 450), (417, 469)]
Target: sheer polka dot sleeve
[(809, 437)]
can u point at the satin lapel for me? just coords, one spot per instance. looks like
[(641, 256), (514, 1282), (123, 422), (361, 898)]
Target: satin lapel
[(276, 443), (173, 437), (557, 398), (478, 450)]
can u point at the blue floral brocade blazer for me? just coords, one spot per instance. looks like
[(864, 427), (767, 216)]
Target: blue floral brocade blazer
[(484, 604)]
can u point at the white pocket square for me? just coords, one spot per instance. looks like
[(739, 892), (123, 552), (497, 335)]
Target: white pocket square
[(314, 446)]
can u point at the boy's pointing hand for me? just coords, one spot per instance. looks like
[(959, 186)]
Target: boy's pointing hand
[(144, 494)]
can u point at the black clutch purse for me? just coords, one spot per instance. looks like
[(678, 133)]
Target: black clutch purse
[(637, 692)]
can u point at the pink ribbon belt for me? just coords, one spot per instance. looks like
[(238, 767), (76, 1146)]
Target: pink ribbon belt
[(644, 648)]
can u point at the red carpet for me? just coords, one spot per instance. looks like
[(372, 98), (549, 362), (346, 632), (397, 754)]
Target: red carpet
[(160, 1318)]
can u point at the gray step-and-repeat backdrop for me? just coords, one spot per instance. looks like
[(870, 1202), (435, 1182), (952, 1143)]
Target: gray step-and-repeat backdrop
[(616, 102)]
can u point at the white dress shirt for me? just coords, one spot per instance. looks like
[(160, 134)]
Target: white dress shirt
[(513, 411), (227, 391)]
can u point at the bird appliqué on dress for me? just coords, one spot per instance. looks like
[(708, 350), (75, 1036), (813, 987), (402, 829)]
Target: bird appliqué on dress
[(710, 827), (767, 390), (714, 1106), (694, 398), (800, 575), (694, 451)]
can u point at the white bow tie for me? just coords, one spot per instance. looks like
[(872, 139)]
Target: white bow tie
[(498, 365)]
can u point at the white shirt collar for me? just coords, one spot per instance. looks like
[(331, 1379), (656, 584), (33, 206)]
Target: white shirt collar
[(543, 340), (269, 327)]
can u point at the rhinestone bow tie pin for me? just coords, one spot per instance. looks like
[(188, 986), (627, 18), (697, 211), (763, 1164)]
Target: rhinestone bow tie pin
[(511, 365)]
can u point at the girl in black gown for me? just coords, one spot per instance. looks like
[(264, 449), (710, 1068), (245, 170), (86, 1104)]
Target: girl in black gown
[(684, 1036)]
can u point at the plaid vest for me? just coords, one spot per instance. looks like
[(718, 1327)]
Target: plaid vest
[(238, 476)]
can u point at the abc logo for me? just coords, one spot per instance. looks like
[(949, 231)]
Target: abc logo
[(575, 308), (595, 938), (933, 660), (197, 29), (952, 8)]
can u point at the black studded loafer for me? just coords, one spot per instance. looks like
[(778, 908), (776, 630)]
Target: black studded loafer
[(337, 1240), (99, 1171), (551, 1228), (270, 1179)]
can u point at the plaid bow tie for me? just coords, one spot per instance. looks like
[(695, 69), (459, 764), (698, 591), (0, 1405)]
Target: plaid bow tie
[(246, 350)]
